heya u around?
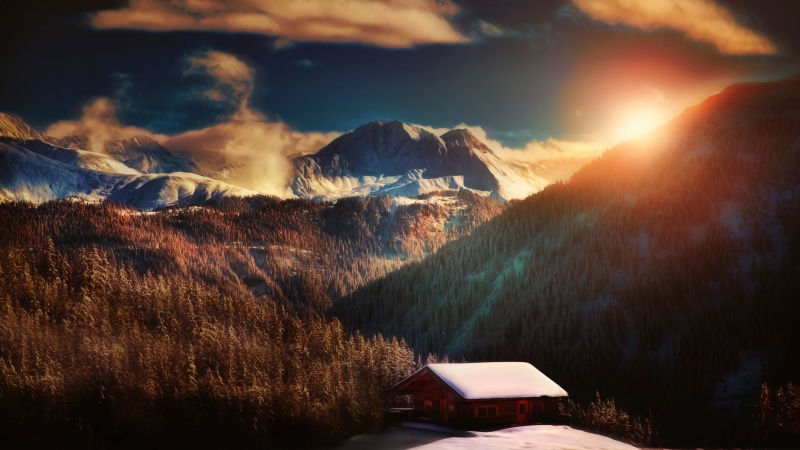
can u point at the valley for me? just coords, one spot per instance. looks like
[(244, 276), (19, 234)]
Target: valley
[(662, 274)]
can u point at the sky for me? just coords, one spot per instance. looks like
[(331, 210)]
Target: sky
[(260, 80)]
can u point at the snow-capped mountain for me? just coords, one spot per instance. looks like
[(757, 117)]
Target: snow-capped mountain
[(15, 128), (399, 159), (34, 168), (147, 156), (139, 152)]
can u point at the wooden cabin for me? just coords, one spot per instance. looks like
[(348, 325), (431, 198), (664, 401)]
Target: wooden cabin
[(480, 395)]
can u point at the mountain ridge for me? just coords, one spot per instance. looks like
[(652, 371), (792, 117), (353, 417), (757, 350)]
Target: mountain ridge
[(387, 157), (36, 168)]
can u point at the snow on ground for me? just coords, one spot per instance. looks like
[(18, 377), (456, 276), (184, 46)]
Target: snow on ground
[(534, 437)]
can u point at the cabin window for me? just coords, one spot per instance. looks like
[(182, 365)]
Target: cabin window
[(522, 408), (484, 412), (428, 407)]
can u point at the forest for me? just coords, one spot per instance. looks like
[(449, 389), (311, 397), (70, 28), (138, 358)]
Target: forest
[(665, 274), (202, 324), (659, 286)]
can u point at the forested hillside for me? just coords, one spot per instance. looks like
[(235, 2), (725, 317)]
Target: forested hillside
[(665, 274), (202, 325)]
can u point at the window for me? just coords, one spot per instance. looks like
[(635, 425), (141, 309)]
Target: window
[(522, 409), (428, 407), (484, 412)]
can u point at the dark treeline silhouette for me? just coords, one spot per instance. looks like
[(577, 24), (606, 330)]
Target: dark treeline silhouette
[(661, 268)]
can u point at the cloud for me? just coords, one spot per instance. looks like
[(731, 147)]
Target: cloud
[(489, 29), (233, 78), (248, 151), (245, 149), (385, 23), (699, 20), (534, 150), (99, 124)]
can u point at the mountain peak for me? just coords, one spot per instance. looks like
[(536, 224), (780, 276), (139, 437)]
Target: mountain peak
[(392, 128), (459, 133), (398, 158), (462, 137), (14, 127)]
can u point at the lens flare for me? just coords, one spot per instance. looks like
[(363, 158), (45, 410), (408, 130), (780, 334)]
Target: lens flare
[(636, 123)]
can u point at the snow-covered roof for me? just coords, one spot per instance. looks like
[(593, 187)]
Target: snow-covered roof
[(497, 380)]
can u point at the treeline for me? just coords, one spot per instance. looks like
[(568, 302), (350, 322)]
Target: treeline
[(94, 354), (202, 324), (658, 269), (604, 417), (300, 253), (776, 417)]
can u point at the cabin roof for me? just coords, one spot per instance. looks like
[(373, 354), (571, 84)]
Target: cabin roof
[(474, 381)]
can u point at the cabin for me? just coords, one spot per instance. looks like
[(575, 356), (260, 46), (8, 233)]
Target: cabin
[(481, 395)]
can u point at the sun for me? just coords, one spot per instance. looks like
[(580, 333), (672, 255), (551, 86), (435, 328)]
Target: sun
[(634, 123)]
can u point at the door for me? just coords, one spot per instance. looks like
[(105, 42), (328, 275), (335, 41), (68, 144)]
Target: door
[(523, 412)]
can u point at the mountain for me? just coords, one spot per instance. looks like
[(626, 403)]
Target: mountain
[(665, 274), (139, 152), (147, 156), (399, 159), (16, 128), (33, 167)]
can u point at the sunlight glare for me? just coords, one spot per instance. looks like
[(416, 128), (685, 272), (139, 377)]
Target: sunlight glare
[(636, 123)]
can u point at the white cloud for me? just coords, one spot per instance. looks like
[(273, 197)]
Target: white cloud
[(232, 76), (248, 151), (99, 123), (699, 20), (386, 23)]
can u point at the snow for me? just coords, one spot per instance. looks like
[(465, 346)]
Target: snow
[(47, 173), (400, 159), (497, 380), (533, 437), (530, 437), (410, 184)]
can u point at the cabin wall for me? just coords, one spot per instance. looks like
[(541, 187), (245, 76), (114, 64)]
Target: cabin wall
[(506, 412), (428, 396), (544, 409), (435, 401)]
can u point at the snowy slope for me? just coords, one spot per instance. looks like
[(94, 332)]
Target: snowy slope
[(16, 128), (511, 182), (147, 156), (532, 437), (79, 158), (150, 191), (29, 176), (34, 168), (26, 175), (399, 159)]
